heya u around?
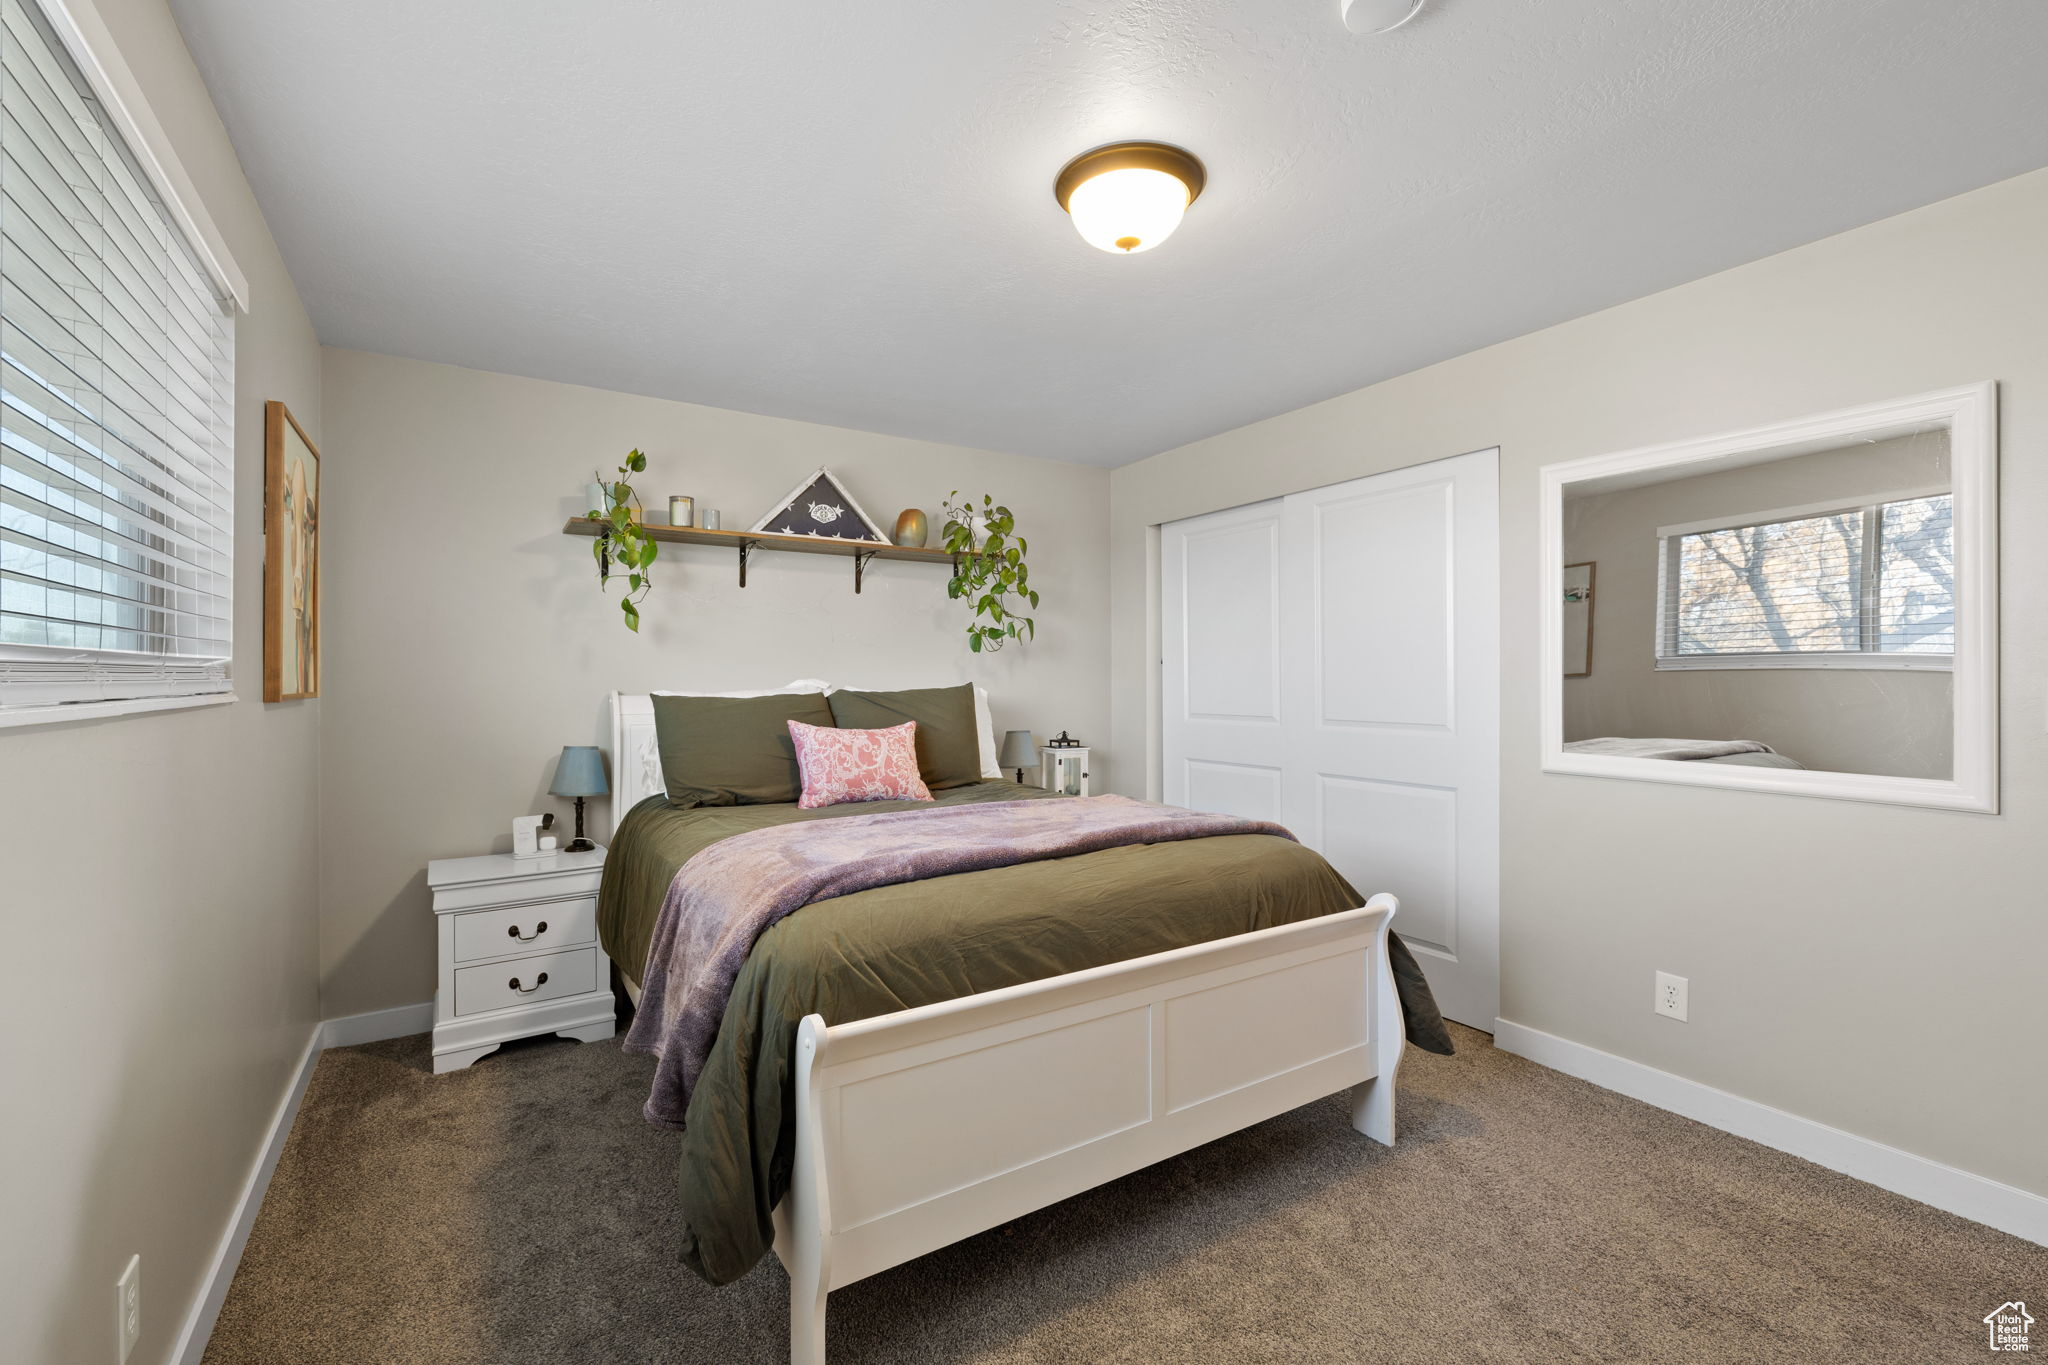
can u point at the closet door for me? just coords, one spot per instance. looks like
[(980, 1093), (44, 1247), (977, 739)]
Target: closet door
[(1220, 637), (1391, 656), (1332, 661)]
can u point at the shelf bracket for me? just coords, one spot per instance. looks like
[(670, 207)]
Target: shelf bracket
[(746, 551), (860, 564)]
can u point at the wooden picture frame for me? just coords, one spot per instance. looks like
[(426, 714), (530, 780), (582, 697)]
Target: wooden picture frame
[(291, 558), (1578, 620)]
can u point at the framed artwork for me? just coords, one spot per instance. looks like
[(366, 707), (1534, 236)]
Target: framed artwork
[(1578, 619), (820, 506), (291, 558)]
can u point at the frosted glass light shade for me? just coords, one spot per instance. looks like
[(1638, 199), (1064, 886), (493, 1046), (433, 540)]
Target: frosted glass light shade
[(1128, 210)]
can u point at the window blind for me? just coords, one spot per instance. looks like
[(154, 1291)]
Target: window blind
[(116, 408), (1876, 579), (1917, 577)]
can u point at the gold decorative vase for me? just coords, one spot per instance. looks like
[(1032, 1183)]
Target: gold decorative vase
[(911, 529)]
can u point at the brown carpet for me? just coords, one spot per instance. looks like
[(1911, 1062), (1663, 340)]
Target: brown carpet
[(518, 1212)]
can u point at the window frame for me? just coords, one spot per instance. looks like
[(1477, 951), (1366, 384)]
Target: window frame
[(39, 692), (1969, 413), (1871, 509)]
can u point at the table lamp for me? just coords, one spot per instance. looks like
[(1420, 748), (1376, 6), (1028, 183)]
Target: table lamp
[(1020, 751), (580, 773)]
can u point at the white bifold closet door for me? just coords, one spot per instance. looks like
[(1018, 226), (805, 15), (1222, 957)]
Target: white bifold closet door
[(1331, 660)]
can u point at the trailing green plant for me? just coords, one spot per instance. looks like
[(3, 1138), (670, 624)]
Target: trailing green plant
[(624, 540), (990, 574)]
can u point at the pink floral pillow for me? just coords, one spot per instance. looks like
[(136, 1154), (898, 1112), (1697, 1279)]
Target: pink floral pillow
[(857, 765)]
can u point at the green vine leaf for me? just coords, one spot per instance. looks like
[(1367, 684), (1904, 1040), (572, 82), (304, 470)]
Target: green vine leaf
[(989, 571), (624, 538)]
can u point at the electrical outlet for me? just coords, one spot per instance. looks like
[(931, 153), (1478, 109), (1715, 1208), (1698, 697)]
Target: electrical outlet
[(128, 1307), (1670, 996)]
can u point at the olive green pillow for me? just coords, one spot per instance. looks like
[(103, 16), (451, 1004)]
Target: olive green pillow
[(948, 746), (733, 751)]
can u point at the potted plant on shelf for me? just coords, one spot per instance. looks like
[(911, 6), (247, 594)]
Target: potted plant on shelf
[(624, 538), (989, 570)]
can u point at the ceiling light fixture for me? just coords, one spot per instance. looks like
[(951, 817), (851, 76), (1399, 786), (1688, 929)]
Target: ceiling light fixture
[(1379, 16), (1129, 196)]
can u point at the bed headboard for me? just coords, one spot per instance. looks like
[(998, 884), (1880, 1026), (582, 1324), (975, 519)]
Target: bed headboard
[(636, 761)]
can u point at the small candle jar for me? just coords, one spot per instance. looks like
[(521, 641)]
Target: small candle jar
[(711, 518), (682, 511)]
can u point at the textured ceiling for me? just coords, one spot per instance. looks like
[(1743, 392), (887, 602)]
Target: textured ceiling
[(844, 212)]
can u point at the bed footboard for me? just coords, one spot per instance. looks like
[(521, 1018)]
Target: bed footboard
[(919, 1128)]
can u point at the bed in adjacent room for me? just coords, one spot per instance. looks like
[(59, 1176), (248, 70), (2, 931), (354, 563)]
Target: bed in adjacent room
[(946, 1052), (1740, 753)]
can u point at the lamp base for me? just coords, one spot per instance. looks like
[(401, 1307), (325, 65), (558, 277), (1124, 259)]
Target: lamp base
[(579, 844)]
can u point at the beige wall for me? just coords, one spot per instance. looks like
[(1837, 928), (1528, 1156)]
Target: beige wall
[(1873, 967), (159, 891), (467, 641), (1896, 722)]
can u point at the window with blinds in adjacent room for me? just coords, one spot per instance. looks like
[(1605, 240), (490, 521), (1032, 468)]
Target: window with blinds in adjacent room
[(1866, 586), (116, 407)]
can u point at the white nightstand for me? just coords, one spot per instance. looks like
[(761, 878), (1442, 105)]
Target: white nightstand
[(519, 952)]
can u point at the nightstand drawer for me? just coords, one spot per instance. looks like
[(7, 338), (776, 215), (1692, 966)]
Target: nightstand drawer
[(525, 928), (478, 989)]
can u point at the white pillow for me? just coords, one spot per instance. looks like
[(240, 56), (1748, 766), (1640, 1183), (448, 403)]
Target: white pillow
[(984, 726), (985, 730), (797, 688)]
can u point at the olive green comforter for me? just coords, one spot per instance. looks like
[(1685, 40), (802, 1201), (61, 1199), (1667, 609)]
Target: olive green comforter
[(896, 947)]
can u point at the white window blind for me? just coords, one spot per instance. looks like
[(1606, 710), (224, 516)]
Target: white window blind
[(1870, 586), (116, 408)]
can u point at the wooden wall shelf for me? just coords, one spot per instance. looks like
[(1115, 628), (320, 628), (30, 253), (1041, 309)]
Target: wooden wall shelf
[(744, 543)]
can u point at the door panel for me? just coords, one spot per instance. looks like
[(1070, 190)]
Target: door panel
[(1336, 652), (1220, 625), (1396, 834), (1241, 789), (1383, 580), (1233, 570)]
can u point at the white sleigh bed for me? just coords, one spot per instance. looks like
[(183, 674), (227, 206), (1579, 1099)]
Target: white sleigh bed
[(922, 1127)]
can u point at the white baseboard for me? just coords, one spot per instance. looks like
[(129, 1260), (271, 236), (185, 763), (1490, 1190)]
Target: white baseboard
[(2005, 1207), (220, 1273), (345, 1032), (400, 1021)]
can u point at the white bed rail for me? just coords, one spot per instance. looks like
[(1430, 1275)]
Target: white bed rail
[(922, 1127)]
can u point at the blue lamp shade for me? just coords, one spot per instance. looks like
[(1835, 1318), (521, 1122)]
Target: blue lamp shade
[(1020, 751), (580, 772)]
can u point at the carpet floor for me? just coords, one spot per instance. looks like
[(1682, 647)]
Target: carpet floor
[(519, 1211)]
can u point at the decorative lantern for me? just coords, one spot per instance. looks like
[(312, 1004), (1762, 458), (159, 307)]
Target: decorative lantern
[(1063, 765)]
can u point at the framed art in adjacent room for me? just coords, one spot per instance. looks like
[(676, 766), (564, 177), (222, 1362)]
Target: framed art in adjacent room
[(291, 558), (1578, 620)]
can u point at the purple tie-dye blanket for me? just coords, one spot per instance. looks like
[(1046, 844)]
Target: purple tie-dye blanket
[(726, 897)]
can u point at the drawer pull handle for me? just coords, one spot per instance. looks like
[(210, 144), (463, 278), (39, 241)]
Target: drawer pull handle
[(512, 931), (538, 982)]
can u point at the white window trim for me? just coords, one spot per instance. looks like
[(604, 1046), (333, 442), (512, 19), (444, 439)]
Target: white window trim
[(90, 42), (1859, 660), (1970, 414), (16, 717)]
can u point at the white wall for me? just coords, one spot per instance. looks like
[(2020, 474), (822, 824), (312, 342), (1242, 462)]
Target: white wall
[(1873, 967), (159, 891), (1895, 722), (466, 640)]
